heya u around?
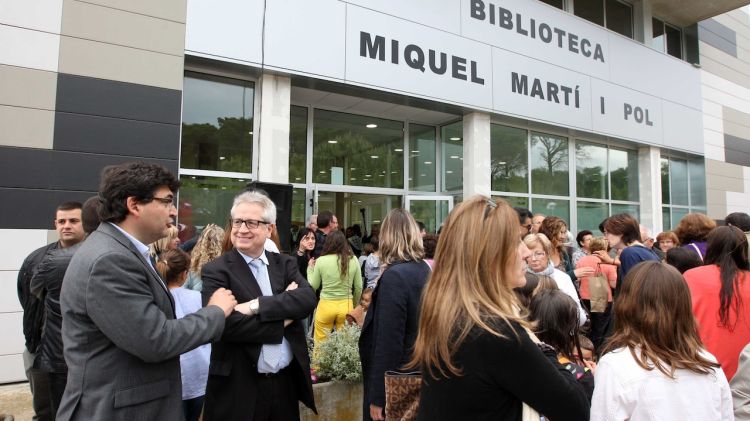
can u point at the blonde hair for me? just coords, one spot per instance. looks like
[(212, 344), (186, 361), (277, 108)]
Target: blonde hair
[(399, 238), (532, 240), (598, 243), (472, 282), (208, 247), (159, 246)]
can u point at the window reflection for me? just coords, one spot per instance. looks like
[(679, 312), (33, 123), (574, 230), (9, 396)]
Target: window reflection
[(356, 150), (510, 156), (623, 167), (591, 171), (549, 164), (453, 156), (297, 144), (217, 126), (619, 17), (422, 162), (590, 214), (552, 207), (205, 200)]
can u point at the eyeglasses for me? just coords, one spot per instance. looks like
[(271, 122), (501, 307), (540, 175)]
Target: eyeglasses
[(251, 224), (166, 201), (538, 255)]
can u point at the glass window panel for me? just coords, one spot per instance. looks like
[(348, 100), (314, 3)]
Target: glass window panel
[(357, 150), (678, 181), (659, 39), (347, 207), (297, 144), (549, 164), (422, 158), (552, 207), (674, 41), (665, 181), (510, 156), (591, 10), (453, 156), (633, 210), (299, 203), (697, 183), (217, 124), (677, 214), (591, 171), (205, 200), (619, 17), (590, 215), (554, 3), (623, 167), (431, 213), (666, 220), (515, 201)]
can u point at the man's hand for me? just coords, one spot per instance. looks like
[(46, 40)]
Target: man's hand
[(292, 286), (376, 413), (224, 299), (287, 322)]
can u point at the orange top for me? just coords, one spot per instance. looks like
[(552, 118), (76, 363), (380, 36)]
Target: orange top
[(724, 342), (609, 271)]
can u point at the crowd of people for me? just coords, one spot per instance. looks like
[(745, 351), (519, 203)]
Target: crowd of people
[(505, 313)]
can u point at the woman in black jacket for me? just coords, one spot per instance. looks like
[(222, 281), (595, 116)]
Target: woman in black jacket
[(390, 326), (479, 359)]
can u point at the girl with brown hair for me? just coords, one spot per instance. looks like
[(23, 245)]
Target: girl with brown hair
[(207, 248), (556, 231), (654, 366), (390, 326), (335, 272), (478, 358), (720, 290)]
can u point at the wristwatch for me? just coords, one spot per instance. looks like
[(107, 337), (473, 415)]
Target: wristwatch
[(254, 306)]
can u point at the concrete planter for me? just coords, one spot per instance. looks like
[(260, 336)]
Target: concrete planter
[(336, 401)]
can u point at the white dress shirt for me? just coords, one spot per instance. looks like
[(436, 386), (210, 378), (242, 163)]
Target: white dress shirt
[(626, 391)]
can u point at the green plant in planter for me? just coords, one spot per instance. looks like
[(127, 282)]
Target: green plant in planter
[(337, 358)]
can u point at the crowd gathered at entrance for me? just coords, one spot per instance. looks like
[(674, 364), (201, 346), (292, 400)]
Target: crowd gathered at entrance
[(502, 314)]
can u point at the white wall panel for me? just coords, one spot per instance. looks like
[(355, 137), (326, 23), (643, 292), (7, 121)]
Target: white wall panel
[(40, 15), (11, 368), (714, 152), (13, 340), (626, 112), (443, 15), (683, 128), (29, 48), (313, 38), (225, 28), (8, 291), (16, 244)]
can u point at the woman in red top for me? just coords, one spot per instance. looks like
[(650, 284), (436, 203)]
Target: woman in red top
[(719, 291), (599, 321)]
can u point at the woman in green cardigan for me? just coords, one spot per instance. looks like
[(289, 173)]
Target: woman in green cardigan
[(337, 272)]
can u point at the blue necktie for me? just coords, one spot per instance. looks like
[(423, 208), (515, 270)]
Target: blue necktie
[(270, 353)]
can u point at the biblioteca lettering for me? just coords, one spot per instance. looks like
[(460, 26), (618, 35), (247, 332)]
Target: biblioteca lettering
[(529, 27)]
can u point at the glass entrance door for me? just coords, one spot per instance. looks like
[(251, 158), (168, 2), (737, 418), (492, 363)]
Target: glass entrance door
[(430, 210)]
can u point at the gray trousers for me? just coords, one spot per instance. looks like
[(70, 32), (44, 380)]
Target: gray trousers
[(39, 384)]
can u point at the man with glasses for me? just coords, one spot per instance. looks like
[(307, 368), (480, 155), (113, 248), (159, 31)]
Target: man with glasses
[(121, 339), (260, 369), (524, 218)]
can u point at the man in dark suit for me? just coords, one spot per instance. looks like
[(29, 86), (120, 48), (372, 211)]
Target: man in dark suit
[(260, 369), (122, 343)]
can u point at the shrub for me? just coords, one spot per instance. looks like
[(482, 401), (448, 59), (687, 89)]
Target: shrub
[(337, 358)]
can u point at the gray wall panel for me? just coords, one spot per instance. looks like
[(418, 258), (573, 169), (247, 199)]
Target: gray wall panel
[(25, 167), (736, 150), (85, 95), (718, 36), (34, 209), (113, 136)]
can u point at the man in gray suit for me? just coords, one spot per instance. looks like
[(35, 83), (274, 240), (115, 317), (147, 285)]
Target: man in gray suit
[(122, 343)]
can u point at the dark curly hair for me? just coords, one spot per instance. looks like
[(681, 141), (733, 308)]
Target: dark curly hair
[(131, 179)]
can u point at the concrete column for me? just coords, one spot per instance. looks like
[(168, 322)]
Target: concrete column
[(477, 158), (649, 184), (273, 141)]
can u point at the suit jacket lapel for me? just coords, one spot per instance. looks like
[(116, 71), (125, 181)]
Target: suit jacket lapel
[(241, 271), (275, 273)]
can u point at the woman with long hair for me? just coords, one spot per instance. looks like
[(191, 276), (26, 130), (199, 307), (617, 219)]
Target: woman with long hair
[(207, 248), (720, 290), (304, 249), (479, 360), (336, 271), (556, 231), (169, 242), (390, 326), (654, 366), (173, 267)]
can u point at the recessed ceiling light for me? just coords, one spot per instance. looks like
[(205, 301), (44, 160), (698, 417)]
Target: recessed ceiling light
[(298, 179), (222, 158), (352, 168), (455, 138), (223, 188), (398, 150), (333, 141), (449, 172), (454, 156), (381, 175), (374, 156), (193, 177), (501, 163), (428, 162), (322, 172), (250, 132), (394, 172), (239, 179), (353, 179), (414, 151), (368, 175), (371, 126), (423, 175)]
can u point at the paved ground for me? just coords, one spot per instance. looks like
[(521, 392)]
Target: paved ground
[(15, 399)]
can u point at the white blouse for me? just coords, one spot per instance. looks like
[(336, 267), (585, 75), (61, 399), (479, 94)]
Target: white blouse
[(626, 391)]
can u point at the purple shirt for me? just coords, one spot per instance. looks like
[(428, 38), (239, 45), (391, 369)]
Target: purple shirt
[(701, 247)]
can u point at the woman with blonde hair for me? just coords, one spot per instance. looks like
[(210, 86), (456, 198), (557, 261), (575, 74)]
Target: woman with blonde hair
[(478, 358), (390, 326), (207, 248), (169, 242), (654, 366)]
